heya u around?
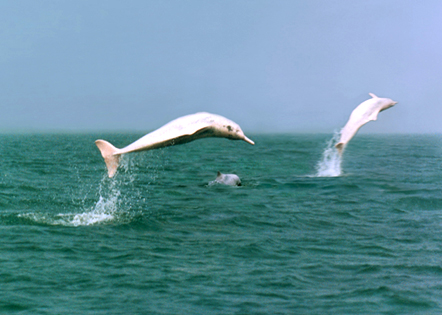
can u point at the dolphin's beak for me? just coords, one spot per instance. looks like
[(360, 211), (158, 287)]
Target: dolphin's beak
[(248, 140)]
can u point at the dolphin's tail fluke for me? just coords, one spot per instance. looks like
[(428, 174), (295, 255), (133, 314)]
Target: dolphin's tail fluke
[(110, 155)]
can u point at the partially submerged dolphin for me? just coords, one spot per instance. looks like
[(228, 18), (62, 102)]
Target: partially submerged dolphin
[(178, 131), (365, 112), (228, 179)]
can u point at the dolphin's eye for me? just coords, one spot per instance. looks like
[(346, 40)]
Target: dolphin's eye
[(229, 128)]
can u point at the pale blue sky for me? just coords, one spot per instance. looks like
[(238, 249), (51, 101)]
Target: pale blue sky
[(271, 66)]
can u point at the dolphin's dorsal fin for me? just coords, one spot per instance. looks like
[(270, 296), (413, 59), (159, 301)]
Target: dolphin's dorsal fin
[(372, 95), (219, 174)]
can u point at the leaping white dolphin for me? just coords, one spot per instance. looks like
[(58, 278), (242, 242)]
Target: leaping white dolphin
[(178, 131), (365, 112)]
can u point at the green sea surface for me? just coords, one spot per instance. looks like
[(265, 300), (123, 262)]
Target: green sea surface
[(159, 239)]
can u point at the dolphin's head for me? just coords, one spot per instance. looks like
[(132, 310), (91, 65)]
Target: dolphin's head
[(234, 132), (387, 103)]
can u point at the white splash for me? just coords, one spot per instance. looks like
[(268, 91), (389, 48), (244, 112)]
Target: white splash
[(105, 210), (330, 165)]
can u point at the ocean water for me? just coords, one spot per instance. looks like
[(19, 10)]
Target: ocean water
[(305, 234)]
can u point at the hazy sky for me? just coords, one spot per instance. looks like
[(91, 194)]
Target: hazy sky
[(269, 65)]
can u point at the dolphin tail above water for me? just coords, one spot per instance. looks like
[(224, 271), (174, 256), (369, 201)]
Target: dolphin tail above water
[(110, 155)]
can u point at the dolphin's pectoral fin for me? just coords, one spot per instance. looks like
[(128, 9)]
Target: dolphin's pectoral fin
[(373, 116), (204, 132), (372, 95)]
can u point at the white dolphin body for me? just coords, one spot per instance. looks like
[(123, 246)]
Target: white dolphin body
[(228, 179), (178, 131), (365, 112)]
